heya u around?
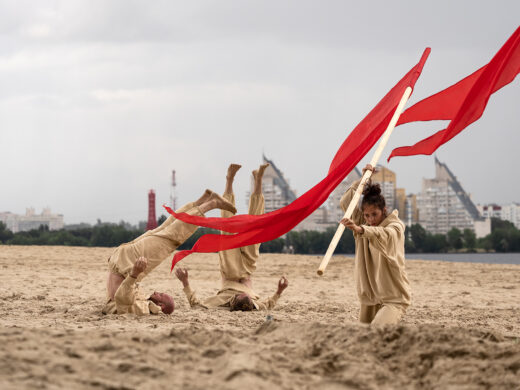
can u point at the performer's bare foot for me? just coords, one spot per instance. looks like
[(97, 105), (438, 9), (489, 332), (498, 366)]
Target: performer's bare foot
[(215, 201), (221, 203), (232, 170), (204, 198), (258, 174), (230, 177)]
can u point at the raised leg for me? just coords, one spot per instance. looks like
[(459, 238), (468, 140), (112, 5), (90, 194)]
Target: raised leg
[(258, 175), (230, 177)]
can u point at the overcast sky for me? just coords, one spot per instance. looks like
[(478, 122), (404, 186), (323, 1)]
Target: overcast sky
[(100, 100)]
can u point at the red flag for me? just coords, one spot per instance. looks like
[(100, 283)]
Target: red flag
[(464, 102), (252, 229)]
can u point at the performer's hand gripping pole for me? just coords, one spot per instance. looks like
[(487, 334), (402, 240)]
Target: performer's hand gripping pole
[(364, 179)]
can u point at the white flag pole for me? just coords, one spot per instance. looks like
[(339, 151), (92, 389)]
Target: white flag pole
[(364, 179)]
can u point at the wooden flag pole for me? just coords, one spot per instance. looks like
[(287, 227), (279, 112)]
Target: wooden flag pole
[(384, 139)]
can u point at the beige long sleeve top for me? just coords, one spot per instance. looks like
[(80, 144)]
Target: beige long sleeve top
[(226, 293), (379, 268), (128, 299)]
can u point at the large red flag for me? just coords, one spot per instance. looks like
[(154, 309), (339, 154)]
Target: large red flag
[(252, 229), (464, 102)]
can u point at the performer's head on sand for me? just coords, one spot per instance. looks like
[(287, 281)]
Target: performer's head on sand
[(243, 302), (240, 301)]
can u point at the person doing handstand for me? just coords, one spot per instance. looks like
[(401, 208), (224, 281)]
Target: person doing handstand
[(238, 264), (131, 262), (381, 281)]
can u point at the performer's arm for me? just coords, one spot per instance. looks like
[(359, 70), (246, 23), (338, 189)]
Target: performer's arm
[(192, 297), (126, 294), (357, 214), (385, 239), (182, 275), (269, 303)]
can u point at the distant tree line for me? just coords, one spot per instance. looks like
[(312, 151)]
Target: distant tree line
[(108, 235), (504, 237)]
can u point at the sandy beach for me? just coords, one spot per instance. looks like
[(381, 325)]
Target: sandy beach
[(461, 332)]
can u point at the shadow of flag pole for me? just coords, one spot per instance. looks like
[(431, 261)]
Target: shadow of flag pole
[(366, 176)]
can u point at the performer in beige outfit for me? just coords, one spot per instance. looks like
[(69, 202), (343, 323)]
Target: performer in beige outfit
[(237, 265), (381, 280), (131, 262)]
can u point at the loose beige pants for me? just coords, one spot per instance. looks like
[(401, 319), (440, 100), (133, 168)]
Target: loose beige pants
[(239, 263), (378, 315), (156, 245)]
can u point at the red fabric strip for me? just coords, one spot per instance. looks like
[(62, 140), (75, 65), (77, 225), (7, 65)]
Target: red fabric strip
[(464, 102), (252, 229)]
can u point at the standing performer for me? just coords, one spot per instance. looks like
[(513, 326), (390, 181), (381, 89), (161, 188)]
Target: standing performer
[(381, 281), (132, 261), (238, 264)]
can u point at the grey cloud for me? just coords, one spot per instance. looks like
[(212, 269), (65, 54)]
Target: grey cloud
[(100, 100)]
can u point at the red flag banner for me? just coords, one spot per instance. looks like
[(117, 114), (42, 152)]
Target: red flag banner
[(464, 102), (252, 229)]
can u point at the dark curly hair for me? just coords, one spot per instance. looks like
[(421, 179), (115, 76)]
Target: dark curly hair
[(242, 302), (372, 196)]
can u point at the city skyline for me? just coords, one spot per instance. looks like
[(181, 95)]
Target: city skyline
[(278, 193), (100, 102), (356, 171)]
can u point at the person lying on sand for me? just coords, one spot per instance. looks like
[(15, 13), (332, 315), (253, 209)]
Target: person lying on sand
[(381, 280), (132, 261), (238, 264), (233, 295)]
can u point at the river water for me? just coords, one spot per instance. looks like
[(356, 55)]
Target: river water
[(490, 258)]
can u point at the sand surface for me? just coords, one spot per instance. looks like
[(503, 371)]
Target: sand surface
[(461, 332)]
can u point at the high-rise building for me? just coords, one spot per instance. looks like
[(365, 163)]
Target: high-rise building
[(20, 223), (335, 212), (277, 194), (173, 192), (490, 210), (400, 202), (386, 179), (330, 213), (276, 189), (411, 214), (511, 213), (443, 204)]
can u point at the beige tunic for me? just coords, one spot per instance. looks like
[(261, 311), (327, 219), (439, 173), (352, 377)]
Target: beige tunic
[(379, 263), (128, 299), (240, 263), (227, 292), (156, 245)]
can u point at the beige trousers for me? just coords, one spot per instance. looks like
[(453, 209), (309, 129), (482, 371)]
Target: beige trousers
[(239, 263), (385, 314), (155, 245)]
